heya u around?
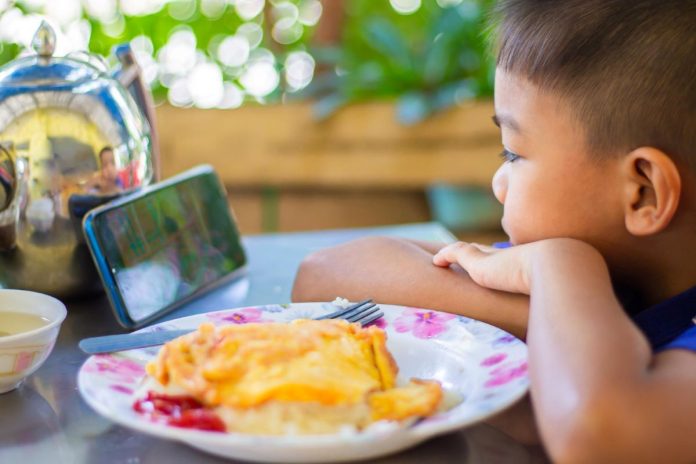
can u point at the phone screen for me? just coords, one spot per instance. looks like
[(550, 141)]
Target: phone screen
[(169, 243)]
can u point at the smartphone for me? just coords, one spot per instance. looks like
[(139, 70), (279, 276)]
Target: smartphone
[(162, 246)]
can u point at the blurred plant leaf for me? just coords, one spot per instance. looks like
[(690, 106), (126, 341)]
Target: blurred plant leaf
[(428, 61), (8, 51), (328, 105), (453, 94), (445, 41), (327, 55), (412, 108), (321, 85), (383, 36)]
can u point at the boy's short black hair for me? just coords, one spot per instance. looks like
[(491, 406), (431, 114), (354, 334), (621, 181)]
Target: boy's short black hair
[(626, 67)]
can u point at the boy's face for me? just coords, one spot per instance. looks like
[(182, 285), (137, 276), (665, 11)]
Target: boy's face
[(108, 165), (554, 188)]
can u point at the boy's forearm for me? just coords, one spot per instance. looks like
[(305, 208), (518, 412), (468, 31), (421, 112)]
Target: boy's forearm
[(587, 359), (429, 247), (398, 271)]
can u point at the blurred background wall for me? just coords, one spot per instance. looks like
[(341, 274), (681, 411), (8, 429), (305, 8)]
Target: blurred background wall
[(317, 114)]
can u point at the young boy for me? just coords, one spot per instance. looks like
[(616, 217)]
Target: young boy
[(107, 180), (596, 100)]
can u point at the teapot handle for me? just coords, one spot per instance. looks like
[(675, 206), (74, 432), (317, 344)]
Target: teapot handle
[(131, 77), (8, 176), (15, 195)]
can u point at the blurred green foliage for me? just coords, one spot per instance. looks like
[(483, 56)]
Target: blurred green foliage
[(159, 27), (428, 61), (431, 59)]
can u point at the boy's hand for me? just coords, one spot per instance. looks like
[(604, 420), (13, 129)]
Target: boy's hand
[(510, 269), (507, 269), (398, 271)]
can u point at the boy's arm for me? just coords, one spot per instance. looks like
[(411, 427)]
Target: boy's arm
[(599, 393), (398, 271)]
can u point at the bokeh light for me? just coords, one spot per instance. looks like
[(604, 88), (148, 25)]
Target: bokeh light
[(223, 69), (252, 32), (178, 94), (213, 9), (287, 31), (233, 97), (262, 55), (182, 10), (64, 12), (260, 78), (234, 50), (310, 12), (405, 6), (178, 56), (249, 9), (140, 7), (299, 70), (448, 3), (205, 85), (286, 10), (77, 34), (105, 11)]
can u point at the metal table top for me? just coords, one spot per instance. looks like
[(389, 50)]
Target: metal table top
[(46, 420)]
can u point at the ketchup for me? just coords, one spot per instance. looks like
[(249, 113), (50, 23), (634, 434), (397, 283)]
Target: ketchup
[(178, 411)]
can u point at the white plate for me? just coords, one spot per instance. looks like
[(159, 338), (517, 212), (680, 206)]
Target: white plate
[(483, 365)]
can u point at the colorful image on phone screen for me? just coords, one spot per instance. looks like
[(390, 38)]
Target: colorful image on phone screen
[(169, 243)]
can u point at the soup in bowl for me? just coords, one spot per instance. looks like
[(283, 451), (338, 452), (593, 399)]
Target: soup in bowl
[(29, 326)]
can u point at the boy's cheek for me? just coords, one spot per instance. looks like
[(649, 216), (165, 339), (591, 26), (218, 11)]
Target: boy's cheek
[(514, 221)]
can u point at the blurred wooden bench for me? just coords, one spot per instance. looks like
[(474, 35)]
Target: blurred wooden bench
[(360, 167)]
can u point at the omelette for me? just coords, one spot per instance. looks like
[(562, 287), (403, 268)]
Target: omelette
[(302, 377)]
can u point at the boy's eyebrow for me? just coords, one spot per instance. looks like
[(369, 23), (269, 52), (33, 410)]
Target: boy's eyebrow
[(507, 121)]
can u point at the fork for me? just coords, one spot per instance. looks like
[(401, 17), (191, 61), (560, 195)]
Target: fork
[(363, 312)]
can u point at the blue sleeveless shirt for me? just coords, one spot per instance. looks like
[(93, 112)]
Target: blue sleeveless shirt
[(671, 323)]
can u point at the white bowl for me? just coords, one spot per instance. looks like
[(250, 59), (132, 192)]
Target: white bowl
[(23, 353)]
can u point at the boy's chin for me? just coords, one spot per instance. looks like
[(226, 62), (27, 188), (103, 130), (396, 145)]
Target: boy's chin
[(521, 235)]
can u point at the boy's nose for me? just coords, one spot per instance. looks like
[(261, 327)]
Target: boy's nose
[(500, 184)]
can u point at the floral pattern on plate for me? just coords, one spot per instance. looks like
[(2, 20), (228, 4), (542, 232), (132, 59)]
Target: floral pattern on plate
[(483, 366), (423, 323)]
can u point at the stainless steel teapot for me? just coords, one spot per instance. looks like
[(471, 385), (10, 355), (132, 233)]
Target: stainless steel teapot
[(73, 135)]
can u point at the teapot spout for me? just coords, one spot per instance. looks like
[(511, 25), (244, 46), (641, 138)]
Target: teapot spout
[(130, 75)]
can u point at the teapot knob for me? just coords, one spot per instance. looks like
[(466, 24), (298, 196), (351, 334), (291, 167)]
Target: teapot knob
[(44, 41)]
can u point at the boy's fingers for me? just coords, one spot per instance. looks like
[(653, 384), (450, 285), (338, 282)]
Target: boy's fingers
[(459, 252), (445, 255), (486, 248)]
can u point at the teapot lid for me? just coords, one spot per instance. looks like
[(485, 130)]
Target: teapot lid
[(43, 69)]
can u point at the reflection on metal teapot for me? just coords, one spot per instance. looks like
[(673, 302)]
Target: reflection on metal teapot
[(72, 136)]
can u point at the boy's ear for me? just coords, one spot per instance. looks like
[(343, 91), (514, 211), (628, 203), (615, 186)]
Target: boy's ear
[(653, 189)]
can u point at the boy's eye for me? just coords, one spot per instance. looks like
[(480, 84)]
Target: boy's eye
[(509, 156)]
